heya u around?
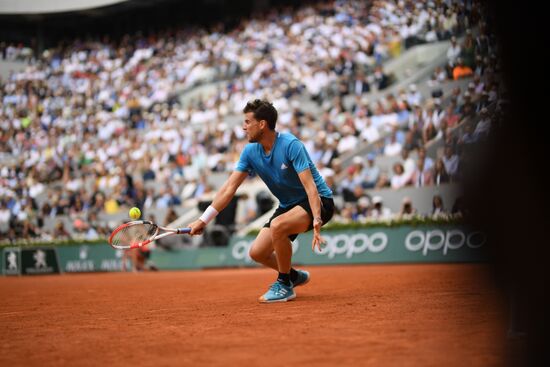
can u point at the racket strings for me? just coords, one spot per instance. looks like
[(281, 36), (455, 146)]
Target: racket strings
[(134, 234)]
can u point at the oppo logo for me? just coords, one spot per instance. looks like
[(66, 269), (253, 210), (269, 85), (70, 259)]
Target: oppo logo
[(241, 249), (349, 245), (437, 239), (354, 244)]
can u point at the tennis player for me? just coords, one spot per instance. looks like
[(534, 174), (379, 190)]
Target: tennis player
[(305, 200)]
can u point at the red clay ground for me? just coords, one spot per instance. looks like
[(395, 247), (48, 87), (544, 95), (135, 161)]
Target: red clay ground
[(382, 315)]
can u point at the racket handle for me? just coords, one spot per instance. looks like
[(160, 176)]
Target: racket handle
[(183, 230)]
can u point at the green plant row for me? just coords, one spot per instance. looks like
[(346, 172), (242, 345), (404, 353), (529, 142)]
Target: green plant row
[(392, 223)]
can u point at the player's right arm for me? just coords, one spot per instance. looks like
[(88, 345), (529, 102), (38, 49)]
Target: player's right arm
[(221, 200)]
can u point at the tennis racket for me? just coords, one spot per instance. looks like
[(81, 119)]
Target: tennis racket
[(140, 233)]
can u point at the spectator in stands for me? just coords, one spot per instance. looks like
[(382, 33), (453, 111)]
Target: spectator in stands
[(393, 148), (101, 229), (337, 166), (428, 162), (407, 210), (379, 211), (421, 176), (348, 141), (381, 79), (479, 66), (331, 183), (346, 213), (483, 127), (202, 187), (60, 231), (359, 85), (438, 209), (466, 109), (453, 53), (431, 34), (399, 179), (483, 101), (438, 112), (27, 229), (371, 173), (482, 42), (408, 164), (414, 98), (440, 175), (111, 205), (369, 132), (438, 76), (468, 50), (411, 140), (449, 23), (383, 181), (458, 207), (171, 216), (348, 184), (150, 199), (378, 147), (359, 164), (361, 209), (434, 113), (248, 210), (5, 216), (450, 161), (167, 198), (429, 133), (358, 192), (461, 70), (467, 136)]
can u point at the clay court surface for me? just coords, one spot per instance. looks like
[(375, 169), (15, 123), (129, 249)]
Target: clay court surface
[(375, 315)]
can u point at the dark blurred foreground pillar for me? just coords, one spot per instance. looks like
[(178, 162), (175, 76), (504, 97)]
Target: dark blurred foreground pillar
[(510, 196)]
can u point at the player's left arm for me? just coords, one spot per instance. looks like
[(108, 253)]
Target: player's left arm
[(315, 203), (298, 156)]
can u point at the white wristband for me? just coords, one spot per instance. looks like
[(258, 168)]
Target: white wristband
[(209, 214)]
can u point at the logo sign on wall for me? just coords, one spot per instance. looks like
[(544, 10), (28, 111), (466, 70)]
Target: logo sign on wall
[(84, 258), (30, 261), (12, 261), (37, 261), (381, 245)]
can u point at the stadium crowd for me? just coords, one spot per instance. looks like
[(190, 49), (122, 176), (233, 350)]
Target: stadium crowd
[(96, 126)]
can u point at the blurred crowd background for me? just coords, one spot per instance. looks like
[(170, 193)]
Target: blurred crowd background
[(95, 125)]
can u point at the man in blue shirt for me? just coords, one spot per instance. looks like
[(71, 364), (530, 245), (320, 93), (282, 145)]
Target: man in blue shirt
[(306, 203)]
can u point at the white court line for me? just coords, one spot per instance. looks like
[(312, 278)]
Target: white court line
[(11, 313)]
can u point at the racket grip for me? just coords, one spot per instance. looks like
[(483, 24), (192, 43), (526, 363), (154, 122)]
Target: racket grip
[(183, 230)]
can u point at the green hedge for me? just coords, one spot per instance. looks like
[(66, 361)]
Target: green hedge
[(411, 221), (42, 243)]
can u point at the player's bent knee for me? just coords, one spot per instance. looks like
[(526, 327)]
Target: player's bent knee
[(255, 254), (278, 228)]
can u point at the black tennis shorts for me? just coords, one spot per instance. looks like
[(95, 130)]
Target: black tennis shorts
[(327, 211)]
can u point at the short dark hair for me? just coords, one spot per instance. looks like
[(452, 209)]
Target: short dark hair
[(263, 110)]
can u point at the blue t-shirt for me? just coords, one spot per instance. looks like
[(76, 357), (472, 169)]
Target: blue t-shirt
[(279, 169)]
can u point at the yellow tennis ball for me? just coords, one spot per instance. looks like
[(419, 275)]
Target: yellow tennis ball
[(134, 213)]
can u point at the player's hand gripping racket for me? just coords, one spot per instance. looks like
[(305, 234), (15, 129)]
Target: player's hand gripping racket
[(140, 233)]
